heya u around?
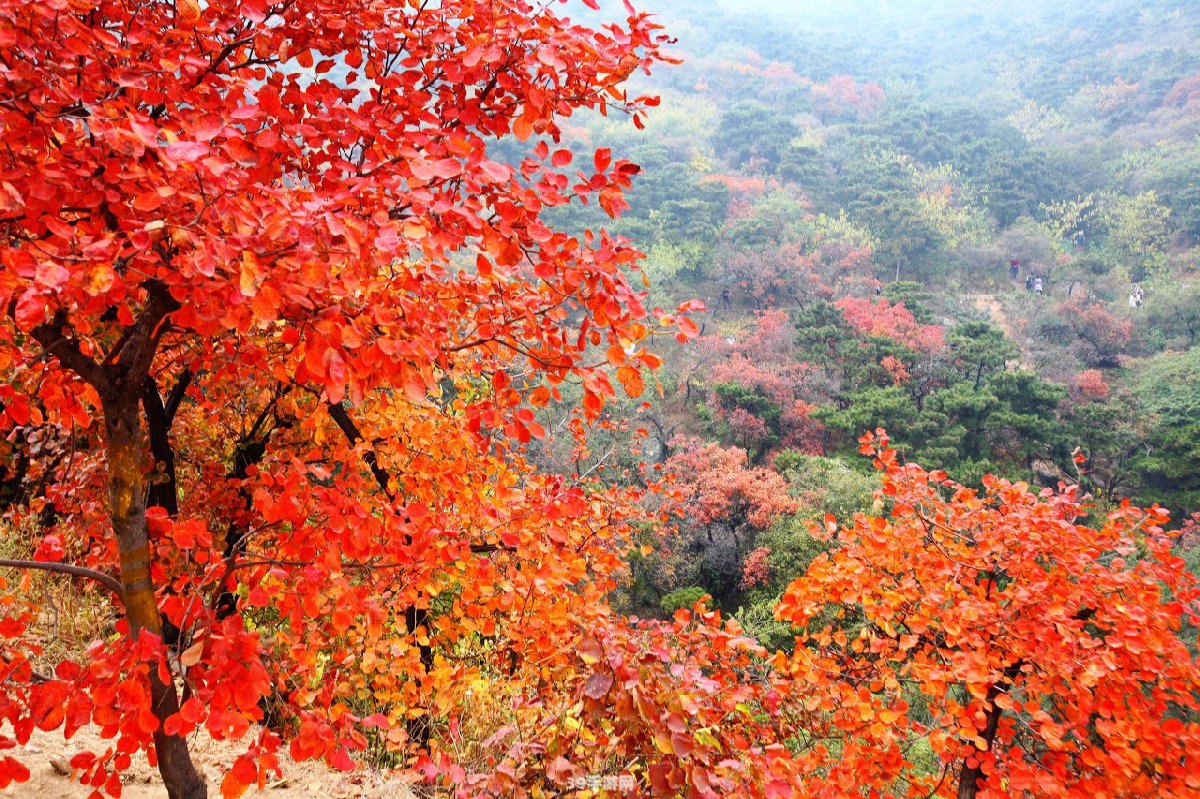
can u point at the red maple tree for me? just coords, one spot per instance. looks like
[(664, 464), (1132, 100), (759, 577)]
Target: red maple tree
[(894, 321), (1032, 654), (261, 267)]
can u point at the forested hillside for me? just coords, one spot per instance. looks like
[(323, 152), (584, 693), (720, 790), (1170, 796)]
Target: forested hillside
[(752, 399), (976, 228)]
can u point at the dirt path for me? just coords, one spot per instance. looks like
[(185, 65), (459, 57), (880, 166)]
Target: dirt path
[(988, 305), (48, 756)]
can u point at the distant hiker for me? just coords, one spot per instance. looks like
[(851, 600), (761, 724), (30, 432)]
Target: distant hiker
[(1037, 285), (1136, 296), (725, 297), (878, 287), (1014, 268), (1029, 282)]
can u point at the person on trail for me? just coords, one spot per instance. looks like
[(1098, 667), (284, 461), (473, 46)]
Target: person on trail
[(1029, 282), (1138, 296), (1037, 285), (1014, 268), (725, 297), (878, 287)]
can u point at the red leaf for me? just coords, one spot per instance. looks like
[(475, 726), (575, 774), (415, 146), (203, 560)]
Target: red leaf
[(240, 777), (11, 771), (192, 711), (522, 128), (387, 240), (560, 769), (631, 380), (341, 760), (186, 151), (144, 130), (598, 685), (31, 310), (687, 329), (52, 275), (602, 159), (208, 127), (496, 173), (778, 789), (590, 650), (447, 168)]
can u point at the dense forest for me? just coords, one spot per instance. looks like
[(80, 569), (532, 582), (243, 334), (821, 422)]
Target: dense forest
[(752, 399)]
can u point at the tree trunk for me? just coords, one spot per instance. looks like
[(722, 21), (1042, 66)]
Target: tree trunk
[(968, 780), (127, 507), (163, 492), (969, 777)]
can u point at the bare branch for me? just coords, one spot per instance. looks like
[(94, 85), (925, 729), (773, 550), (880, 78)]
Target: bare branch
[(65, 568)]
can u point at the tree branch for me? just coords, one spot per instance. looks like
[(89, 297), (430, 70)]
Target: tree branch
[(134, 353), (55, 340), (65, 568), (171, 404), (338, 412)]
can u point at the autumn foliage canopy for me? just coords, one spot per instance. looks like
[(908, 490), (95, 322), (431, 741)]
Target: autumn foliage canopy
[(276, 324), (1022, 652)]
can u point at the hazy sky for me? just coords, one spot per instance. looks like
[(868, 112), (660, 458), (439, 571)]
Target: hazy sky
[(787, 6)]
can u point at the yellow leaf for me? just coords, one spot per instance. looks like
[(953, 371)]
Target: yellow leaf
[(191, 656), (100, 280), (250, 274)]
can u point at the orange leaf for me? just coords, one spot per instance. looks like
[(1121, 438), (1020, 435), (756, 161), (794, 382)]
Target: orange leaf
[(188, 11), (522, 128), (631, 379)]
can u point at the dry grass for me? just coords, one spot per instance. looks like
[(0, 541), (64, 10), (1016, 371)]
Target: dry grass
[(71, 612)]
